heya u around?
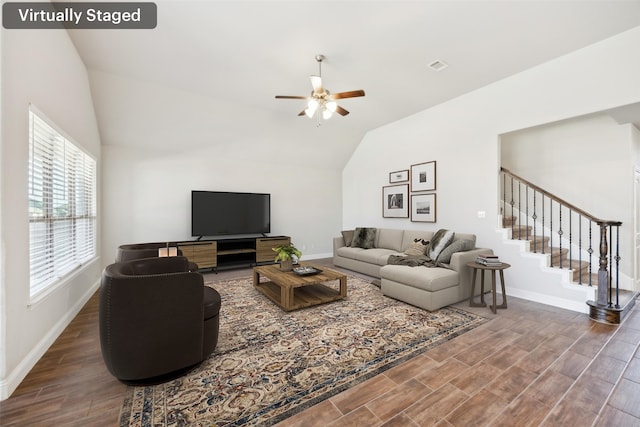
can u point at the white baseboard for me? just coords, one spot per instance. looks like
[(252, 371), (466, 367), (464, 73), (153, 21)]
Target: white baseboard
[(580, 307), (9, 384), (317, 256)]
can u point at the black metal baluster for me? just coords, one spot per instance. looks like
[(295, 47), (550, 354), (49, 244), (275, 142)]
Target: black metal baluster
[(580, 247), (590, 251), (504, 196), (542, 226), (560, 232), (513, 218), (519, 211), (534, 217), (551, 229), (570, 239), (526, 214)]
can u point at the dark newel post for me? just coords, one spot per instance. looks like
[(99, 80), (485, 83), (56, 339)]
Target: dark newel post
[(603, 275)]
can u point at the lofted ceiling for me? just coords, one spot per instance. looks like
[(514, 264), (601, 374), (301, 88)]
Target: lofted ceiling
[(207, 75)]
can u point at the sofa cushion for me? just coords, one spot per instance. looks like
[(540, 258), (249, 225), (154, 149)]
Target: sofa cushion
[(364, 237), (389, 238), (347, 236), (461, 245), (417, 248), (378, 256), (350, 252), (439, 241), (428, 279)]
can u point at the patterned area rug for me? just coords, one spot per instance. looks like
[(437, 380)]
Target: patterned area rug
[(270, 364)]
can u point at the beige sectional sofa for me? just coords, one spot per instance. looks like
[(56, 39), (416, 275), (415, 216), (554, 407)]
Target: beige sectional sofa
[(427, 287)]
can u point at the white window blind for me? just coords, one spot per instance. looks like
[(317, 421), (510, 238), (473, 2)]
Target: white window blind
[(62, 205)]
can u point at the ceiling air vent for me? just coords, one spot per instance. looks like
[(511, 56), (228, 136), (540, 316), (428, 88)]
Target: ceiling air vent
[(438, 65)]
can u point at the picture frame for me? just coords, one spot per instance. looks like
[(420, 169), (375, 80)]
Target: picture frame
[(399, 176), (423, 207), (423, 176), (395, 201)]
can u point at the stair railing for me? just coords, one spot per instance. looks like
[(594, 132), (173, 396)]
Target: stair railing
[(532, 207)]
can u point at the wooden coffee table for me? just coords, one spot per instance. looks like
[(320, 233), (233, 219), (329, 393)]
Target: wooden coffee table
[(291, 291)]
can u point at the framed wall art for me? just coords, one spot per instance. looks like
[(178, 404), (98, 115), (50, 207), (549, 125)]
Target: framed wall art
[(399, 176), (423, 177), (423, 207), (395, 201)]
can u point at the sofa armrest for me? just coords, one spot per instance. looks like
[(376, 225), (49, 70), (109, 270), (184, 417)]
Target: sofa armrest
[(338, 242), (459, 260)]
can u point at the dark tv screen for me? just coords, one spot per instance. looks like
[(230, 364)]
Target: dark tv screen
[(218, 213)]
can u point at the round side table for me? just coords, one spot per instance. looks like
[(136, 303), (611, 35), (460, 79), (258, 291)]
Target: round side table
[(493, 268)]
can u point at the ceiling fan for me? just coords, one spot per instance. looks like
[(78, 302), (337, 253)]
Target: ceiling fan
[(321, 102)]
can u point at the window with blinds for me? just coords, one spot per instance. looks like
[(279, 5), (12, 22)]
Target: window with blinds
[(62, 205)]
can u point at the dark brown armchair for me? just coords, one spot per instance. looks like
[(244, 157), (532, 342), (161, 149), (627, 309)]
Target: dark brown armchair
[(157, 319)]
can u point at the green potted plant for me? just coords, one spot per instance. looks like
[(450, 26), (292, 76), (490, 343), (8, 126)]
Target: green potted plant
[(286, 254)]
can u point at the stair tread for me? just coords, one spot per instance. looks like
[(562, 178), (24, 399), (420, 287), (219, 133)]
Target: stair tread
[(554, 250), (519, 227)]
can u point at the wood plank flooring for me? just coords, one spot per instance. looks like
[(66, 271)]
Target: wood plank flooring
[(530, 365)]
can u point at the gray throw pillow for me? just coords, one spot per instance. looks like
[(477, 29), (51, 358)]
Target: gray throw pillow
[(455, 246), (347, 236), (439, 241), (364, 238)]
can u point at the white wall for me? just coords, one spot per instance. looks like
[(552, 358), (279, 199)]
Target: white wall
[(147, 195), (462, 135), (43, 68)]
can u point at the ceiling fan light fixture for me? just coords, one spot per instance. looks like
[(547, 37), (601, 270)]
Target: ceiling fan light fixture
[(312, 106), (321, 103)]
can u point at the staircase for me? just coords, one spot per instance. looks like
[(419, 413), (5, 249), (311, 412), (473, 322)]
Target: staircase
[(559, 257), (564, 234)]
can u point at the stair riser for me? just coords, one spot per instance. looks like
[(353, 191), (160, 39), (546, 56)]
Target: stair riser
[(585, 278), (537, 244), (515, 235), (508, 221)]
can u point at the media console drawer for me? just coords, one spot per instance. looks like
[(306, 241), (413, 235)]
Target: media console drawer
[(205, 254), (264, 246)]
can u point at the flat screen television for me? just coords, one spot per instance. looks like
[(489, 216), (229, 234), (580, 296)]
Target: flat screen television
[(219, 213)]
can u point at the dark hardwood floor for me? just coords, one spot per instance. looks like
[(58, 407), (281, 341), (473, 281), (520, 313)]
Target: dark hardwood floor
[(530, 365)]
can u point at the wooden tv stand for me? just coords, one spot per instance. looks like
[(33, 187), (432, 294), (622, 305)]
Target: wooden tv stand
[(232, 253)]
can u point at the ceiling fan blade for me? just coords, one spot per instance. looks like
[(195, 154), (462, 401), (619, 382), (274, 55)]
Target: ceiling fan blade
[(316, 82), (290, 97), (350, 94), (341, 111)]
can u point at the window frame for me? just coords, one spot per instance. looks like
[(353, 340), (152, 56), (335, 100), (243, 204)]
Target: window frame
[(63, 229)]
